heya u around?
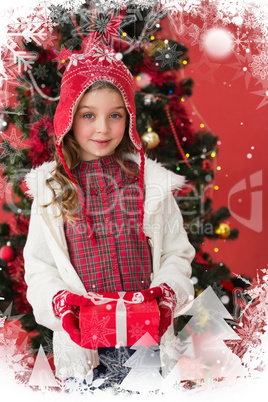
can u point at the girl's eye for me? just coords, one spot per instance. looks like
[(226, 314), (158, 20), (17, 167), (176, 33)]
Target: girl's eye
[(116, 114), (88, 115)]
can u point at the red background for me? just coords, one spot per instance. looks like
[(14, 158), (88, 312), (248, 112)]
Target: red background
[(222, 102)]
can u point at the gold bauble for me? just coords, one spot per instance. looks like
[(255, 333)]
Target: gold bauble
[(152, 139), (152, 47), (223, 230)]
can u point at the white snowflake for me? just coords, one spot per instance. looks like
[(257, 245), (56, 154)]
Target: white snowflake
[(191, 5), (25, 60), (105, 54), (74, 60), (172, 5), (251, 22), (260, 65), (232, 8), (258, 40), (68, 5), (240, 40), (103, 6), (19, 25)]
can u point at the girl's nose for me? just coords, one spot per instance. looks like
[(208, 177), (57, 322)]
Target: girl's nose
[(102, 125)]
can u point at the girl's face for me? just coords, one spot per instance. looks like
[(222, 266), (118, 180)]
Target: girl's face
[(99, 123)]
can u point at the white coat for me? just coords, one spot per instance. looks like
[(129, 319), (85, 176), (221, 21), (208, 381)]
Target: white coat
[(48, 268)]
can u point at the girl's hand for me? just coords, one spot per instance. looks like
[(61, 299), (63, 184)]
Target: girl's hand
[(66, 305), (166, 303)]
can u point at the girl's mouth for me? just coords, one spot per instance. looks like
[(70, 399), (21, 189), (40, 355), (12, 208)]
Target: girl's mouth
[(101, 143)]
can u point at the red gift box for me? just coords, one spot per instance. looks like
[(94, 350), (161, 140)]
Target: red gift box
[(119, 319)]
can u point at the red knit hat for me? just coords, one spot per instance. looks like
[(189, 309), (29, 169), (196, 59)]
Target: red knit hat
[(96, 61)]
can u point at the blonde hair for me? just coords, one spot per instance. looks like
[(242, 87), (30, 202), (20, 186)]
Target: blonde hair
[(66, 199)]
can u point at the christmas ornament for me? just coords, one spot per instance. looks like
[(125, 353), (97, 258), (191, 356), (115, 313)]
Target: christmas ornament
[(143, 79), (206, 164), (119, 55), (223, 230), (7, 254), (218, 43), (3, 123), (149, 98), (151, 48), (151, 137)]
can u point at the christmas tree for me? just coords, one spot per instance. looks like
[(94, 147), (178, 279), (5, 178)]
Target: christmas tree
[(42, 376), (145, 364), (162, 121), (208, 330)]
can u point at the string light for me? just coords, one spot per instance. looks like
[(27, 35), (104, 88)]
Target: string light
[(124, 34), (213, 154), (218, 168), (152, 37), (187, 155), (202, 125), (184, 62), (193, 158), (216, 249), (216, 187)]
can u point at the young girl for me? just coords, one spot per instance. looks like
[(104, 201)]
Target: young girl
[(103, 216)]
